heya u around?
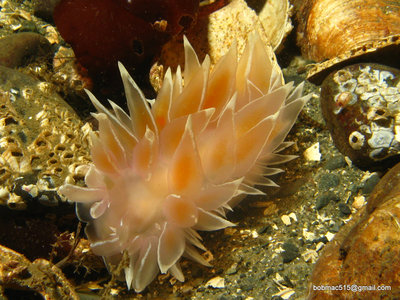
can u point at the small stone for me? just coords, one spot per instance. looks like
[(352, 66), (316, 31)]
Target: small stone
[(358, 202), (370, 183), (286, 220), (309, 236), (291, 251), (293, 216), (330, 236), (344, 209), (232, 269), (329, 180), (31, 189), (319, 246), (216, 282), (312, 153), (335, 162), (310, 256), (285, 294), (324, 199)]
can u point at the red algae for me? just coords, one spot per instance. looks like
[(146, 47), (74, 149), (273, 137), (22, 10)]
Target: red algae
[(103, 32)]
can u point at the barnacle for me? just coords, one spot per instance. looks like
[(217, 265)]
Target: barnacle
[(173, 167)]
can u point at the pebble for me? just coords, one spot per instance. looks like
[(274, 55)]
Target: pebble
[(285, 294), (330, 236), (293, 216), (335, 162), (319, 246), (216, 282), (286, 220), (310, 256), (312, 153), (232, 269), (324, 199), (359, 201), (370, 183), (291, 251), (361, 106), (344, 209), (308, 235), (329, 180)]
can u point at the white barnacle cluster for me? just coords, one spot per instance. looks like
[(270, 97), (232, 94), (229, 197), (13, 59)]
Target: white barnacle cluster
[(379, 98), (41, 140)]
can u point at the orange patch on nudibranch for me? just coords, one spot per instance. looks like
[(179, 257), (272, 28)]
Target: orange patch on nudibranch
[(185, 170), (180, 211)]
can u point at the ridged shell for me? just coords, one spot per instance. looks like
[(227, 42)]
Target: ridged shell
[(329, 28)]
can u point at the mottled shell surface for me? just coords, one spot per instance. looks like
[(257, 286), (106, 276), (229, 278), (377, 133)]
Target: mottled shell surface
[(329, 28)]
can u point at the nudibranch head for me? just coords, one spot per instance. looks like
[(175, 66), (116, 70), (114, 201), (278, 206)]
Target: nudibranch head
[(176, 163)]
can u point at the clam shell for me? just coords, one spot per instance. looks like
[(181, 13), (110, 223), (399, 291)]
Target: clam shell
[(329, 28), (337, 33)]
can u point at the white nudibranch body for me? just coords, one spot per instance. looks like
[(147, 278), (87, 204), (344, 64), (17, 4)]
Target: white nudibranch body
[(174, 165)]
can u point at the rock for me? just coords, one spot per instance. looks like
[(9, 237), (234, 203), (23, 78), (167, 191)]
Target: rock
[(325, 198), (329, 180), (360, 104), (291, 252), (344, 209), (44, 8), (22, 48), (335, 162), (43, 143), (370, 183)]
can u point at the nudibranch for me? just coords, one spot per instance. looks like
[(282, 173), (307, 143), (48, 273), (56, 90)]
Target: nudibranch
[(175, 164)]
